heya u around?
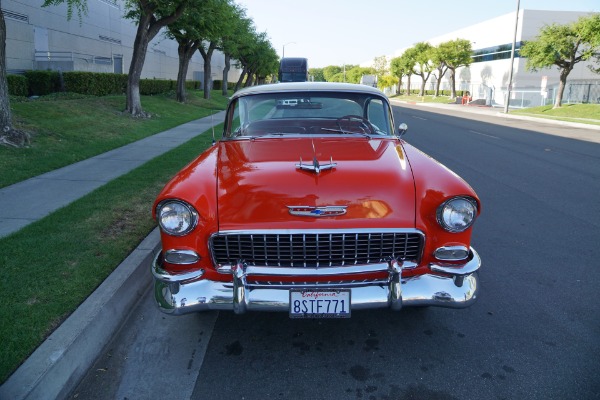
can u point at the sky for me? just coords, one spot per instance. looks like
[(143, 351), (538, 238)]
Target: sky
[(338, 32)]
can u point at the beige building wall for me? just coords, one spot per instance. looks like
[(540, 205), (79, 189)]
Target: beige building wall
[(102, 41)]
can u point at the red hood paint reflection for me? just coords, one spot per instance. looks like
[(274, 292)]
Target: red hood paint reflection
[(258, 180)]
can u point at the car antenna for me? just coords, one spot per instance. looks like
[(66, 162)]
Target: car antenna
[(213, 129)]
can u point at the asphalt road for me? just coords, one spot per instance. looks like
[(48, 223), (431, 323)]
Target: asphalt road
[(533, 334)]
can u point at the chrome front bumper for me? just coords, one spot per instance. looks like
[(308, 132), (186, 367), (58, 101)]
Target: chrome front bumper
[(186, 293)]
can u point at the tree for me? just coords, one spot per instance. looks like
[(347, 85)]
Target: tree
[(316, 74), (455, 53), (353, 75), (214, 24), (185, 31), (438, 59), (152, 16), (233, 39), (330, 71), (406, 63), (424, 67), (399, 69), (386, 81), (380, 65), (9, 136), (563, 46)]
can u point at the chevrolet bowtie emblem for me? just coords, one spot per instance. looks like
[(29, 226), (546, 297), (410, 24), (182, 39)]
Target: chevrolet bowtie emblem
[(317, 212)]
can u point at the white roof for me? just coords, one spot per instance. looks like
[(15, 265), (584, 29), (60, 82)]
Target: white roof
[(307, 86)]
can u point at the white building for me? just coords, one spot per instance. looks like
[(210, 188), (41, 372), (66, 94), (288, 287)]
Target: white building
[(40, 38), (487, 77)]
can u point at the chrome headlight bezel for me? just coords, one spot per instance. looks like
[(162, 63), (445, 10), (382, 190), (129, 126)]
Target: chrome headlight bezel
[(184, 212), (460, 205)]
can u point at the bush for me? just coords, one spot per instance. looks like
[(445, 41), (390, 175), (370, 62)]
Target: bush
[(156, 86), (95, 84), (17, 85), (192, 85), (217, 84), (42, 82)]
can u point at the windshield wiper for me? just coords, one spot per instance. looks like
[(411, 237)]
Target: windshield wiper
[(346, 132)]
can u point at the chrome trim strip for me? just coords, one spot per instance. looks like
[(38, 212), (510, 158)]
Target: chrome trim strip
[(321, 271), (472, 265)]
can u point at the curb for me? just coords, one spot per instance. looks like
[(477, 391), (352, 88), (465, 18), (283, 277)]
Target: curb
[(56, 367)]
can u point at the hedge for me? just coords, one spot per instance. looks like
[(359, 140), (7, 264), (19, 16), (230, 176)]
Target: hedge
[(17, 85), (95, 84), (40, 83)]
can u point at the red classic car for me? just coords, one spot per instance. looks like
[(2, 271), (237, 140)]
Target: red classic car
[(312, 204)]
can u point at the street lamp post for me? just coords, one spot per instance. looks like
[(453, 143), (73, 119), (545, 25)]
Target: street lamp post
[(283, 53), (512, 60)]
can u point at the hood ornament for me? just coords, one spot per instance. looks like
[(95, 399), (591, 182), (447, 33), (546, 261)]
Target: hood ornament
[(316, 167), (317, 212)]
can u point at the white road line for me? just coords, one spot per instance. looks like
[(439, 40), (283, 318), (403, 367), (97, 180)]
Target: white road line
[(424, 119), (484, 134)]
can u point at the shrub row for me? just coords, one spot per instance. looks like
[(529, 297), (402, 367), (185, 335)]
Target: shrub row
[(218, 85), (40, 83)]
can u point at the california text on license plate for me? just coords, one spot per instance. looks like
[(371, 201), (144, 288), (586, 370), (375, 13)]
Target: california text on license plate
[(316, 303)]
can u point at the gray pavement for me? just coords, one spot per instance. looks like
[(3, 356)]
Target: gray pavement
[(56, 367), (28, 201)]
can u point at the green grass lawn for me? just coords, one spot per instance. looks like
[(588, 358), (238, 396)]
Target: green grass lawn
[(71, 128), (585, 113), (50, 267), (424, 99)]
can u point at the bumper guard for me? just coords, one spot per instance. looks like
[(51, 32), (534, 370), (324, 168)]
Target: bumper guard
[(458, 287)]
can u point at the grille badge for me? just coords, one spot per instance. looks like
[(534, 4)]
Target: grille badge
[(317, 212)]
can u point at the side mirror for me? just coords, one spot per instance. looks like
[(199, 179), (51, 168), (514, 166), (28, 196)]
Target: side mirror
[(402, 128)]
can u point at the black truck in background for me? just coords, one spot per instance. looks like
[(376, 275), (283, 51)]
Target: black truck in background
[(293, 70)]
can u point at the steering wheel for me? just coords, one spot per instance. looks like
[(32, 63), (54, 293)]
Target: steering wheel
[(364, 123)]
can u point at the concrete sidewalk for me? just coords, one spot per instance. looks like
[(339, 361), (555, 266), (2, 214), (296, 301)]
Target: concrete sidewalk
[(35, 198)]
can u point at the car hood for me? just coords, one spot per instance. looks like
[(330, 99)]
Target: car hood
[(259, 181)]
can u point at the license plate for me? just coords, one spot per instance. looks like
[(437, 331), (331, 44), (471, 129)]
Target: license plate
[(319, 303)]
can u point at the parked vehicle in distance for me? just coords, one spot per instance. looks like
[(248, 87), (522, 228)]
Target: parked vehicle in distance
[(293, 70), (369, 80), (316, 207)]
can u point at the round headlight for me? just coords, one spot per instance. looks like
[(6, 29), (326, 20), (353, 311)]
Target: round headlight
[(457, 214), (176, 217)]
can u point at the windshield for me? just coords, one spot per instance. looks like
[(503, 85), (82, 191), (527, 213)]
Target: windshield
[(313, 113)]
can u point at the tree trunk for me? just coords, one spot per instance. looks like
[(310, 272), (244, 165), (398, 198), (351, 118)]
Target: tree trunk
[(408, 85), (140, 46), (225, 74), (250, 80), (207, 55), (238, 85), (8, 135), (148, 28), (452, 83), (5, 113), (564, 73), (185, 50), (423, 83), (399, 85)]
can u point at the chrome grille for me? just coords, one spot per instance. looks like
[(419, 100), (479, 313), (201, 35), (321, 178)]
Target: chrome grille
[(315, 249)]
